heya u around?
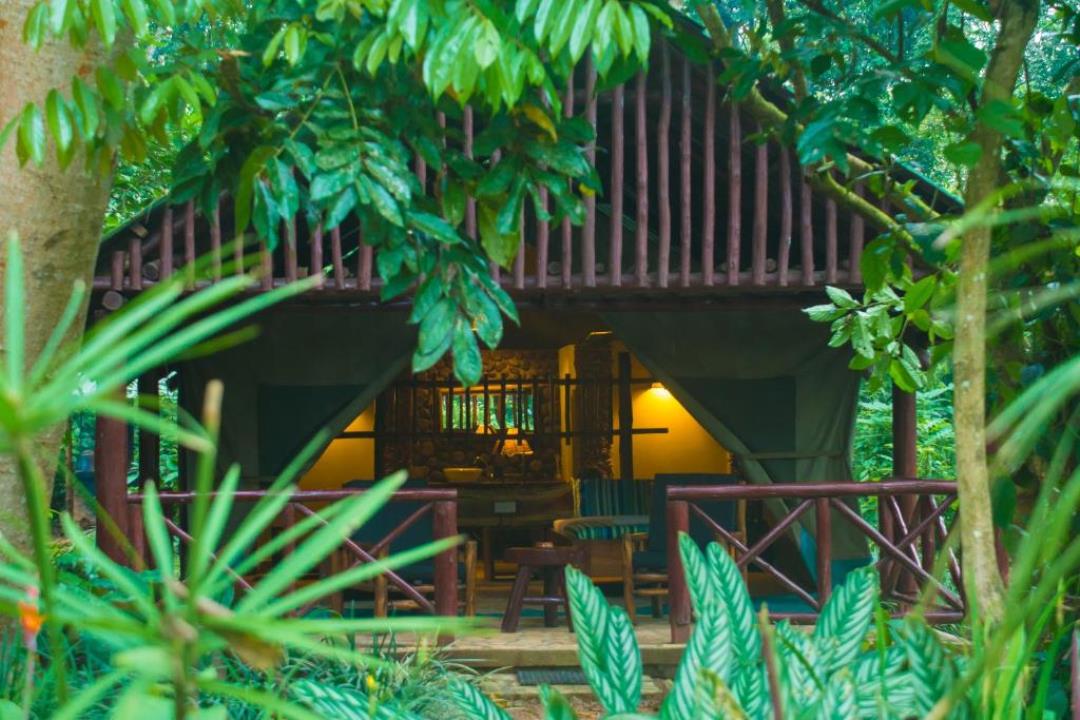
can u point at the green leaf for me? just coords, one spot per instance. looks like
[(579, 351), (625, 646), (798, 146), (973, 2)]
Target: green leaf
[(966, 154), (698, 579), (709, 650), (486, 45), (860, 335), (473, 702), (135, 11), (583, 28), (468, 365), (87, 105), (434, 226), (105, 20), (556, 707), (35, 27), (610, 657), (932, 670), (59, 119), (846, 618), (920, 293), (295, 43), (731, 590), (841, 298), (642, 34), (500, 247), (272, 47), (343, 205), (1000, 115), (382, 200), (31, 137), (436, 326), (545, 14), (110, 87)]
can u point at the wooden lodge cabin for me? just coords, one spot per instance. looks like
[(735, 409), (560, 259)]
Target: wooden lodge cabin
[(662, 346)]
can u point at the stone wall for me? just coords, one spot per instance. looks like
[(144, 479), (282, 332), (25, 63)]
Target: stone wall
[(427, 454)]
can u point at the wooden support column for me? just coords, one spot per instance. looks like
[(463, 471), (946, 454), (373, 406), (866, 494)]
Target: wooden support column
[(446, 574), (150, 442), (626, 420), (905, 466), (679, 610), (110, 485)]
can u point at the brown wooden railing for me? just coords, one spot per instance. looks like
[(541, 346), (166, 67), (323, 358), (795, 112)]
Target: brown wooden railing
[(914, 513), (697, 202), (439, 503)]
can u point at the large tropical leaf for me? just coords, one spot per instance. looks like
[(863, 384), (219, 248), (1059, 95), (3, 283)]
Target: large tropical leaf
[(610, 657), (844, 621), (709, 650)]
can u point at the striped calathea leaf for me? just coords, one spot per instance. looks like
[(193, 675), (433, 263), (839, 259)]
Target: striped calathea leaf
[(830, 671)]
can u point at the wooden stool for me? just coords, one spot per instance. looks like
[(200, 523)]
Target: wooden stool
[(550, 562)]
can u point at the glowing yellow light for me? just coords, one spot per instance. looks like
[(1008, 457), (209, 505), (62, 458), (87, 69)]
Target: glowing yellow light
[(659, 391)]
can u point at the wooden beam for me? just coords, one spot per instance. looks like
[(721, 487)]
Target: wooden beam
[(708, 217)]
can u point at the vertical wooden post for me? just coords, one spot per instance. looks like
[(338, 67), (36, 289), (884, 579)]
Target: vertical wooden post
[(150, 442), (567, 264), (858, 225), (905, 466), (678, 520), (519, 260), (663, 190), (588, 230), (806, 232), (734, 238), (166, 246), (316, 268), (189, 243), (831, 251), (626, 420), (542, 233), (446, 575), (708, 217), (685, 187), (905, 458), (215, 242), (110, 484), (783, 253), (337, 258), (823, 531), (470, 202), (135, 263), (641, 152), (617, 171), (761, 212)]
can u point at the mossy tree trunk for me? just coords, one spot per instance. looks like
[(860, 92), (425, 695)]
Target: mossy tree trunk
[(56, 212)]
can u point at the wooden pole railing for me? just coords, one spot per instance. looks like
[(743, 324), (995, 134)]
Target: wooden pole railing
[(439, 503), (677, 108), (906, 569)]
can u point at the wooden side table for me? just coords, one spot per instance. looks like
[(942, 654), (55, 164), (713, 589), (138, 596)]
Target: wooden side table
[(550, 562)]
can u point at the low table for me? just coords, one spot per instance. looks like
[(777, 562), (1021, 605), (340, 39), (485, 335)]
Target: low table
[(550, 562)]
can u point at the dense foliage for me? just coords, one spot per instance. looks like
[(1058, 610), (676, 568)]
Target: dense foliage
[(317, 108)]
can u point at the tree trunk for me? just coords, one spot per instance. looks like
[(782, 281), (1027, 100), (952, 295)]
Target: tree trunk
[(56, 213), (981, 574)]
